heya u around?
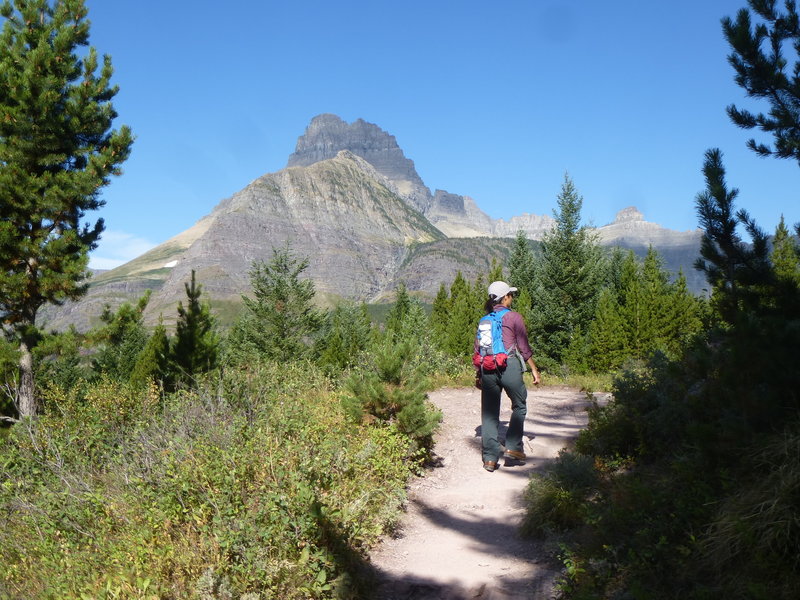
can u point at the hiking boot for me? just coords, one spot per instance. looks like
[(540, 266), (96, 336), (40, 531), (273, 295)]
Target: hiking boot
[(489, 465), (516, 455)]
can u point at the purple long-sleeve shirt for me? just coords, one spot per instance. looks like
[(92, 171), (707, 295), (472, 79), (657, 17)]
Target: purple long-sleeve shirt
[(514, 333)]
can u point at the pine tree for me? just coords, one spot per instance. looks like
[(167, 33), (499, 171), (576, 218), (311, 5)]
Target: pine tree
[(764, 74), (120, 339), (495, 273), (738, 272), (57, 151), (391, 389), (439, 317), (194, 350), (656, 304), (522, 264), (58, 359), (398, 312), (153, 362), (279, 322), (685, 319), (568, 280), (614, 271), (522, 274), (608, 347), (345, 336), (462, 318), (785, 255)]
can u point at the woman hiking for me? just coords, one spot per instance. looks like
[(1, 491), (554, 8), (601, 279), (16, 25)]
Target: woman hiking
[(502, 369)]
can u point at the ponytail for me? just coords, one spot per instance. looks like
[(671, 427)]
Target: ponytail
[(488, 306)]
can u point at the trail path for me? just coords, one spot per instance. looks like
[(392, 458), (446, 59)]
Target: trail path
[(459, 538)]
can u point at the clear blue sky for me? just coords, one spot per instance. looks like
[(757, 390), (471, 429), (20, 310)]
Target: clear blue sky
[(494, 100)]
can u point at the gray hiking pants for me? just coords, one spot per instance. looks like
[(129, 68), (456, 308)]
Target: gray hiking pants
[(492, 386)]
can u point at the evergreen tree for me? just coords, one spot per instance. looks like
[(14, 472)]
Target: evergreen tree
[(648, 314), (656, 304), (495, 274), (58, 359), (57, 151), (761, 70), (785, 255), (608, 347), (153, 362), (392, 389), (568, 280), (479, 293), (346, 334), (685, 320), (281, 319), (522, 275), (614, 271), (398, 312), (439, 318), (194, 350), (120, 339), (522, 265), (462, 318), (738, 272)]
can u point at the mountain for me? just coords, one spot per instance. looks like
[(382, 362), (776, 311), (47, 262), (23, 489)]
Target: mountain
[(353, 203)]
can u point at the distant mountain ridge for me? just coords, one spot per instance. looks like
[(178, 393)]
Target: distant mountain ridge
[(351, 202)]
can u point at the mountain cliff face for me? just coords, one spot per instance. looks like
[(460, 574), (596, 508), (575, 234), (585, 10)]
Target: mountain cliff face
[(351, 202), (327, 135)]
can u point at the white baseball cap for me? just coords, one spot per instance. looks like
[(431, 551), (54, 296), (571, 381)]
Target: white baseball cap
[(500, 289)]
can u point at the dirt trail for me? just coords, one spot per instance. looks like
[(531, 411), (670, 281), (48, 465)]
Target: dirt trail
[(459, 537)]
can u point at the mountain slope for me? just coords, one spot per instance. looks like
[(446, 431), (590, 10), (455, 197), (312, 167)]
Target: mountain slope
[(354, 205), (340, 213)]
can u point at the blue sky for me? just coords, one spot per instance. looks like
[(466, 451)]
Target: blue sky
[(496, 101)]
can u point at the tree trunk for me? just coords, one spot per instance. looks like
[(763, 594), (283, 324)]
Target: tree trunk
[(27, 398)]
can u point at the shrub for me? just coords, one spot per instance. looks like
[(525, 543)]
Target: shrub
[(392, 391), (555, 499), (251, 483)]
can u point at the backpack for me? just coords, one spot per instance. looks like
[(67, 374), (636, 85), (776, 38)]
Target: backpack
[(491, 354)]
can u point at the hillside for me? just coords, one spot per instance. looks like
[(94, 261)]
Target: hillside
[(353, 204)]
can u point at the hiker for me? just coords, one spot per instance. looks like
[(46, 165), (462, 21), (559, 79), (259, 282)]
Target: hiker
[(501, 361)]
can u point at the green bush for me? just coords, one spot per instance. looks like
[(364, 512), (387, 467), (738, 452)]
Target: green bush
[(392, 391), (251, 483), (555, 499)]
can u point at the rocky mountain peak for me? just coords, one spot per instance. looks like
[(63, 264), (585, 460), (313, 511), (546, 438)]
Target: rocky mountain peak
[(629, 215), (327, 135)]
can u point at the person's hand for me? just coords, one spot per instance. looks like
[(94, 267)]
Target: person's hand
[(537, 379)]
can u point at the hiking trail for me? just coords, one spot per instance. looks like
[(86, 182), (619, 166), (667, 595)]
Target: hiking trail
[(459, 536)]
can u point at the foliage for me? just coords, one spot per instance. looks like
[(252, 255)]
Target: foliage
[(250, 484), (57, 151), (462, 317), (554, 498), (522, 264), (785, 255), (399, 312), (9, 361), (568, 280), (194, 349), (392, 391), (344, 339), (696, 455), (281, 318), (645, 314), (761, 70), (58, 359), (119, 340), (153, 362)]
